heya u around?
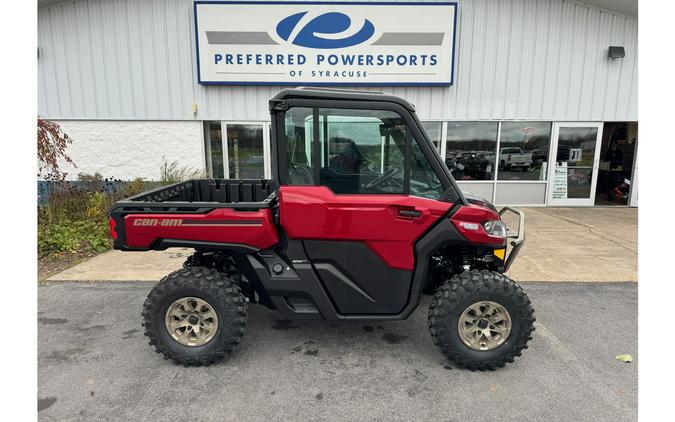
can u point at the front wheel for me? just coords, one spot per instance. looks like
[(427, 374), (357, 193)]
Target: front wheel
[(195, 316), (481, 319)]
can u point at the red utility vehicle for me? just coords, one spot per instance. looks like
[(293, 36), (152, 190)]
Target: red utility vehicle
[(362, 218)]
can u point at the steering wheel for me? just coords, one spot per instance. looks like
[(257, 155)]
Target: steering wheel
[(383, 178)]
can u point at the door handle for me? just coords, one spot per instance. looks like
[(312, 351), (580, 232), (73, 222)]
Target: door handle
[(409, 213)]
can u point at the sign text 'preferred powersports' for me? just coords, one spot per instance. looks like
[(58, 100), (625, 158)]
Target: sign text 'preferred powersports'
[(325, 43)]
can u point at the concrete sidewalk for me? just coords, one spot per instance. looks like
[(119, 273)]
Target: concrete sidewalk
[(563, 244), (578, 244)]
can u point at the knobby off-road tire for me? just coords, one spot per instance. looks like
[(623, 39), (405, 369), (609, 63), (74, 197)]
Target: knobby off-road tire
[(210, 286), (468, 288)]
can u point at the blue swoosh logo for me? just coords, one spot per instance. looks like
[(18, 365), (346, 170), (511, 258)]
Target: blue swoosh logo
[(328, 23)]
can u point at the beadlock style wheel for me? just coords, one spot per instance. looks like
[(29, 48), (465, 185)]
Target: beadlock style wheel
[(484, 325), (191, 321), (481, 319)]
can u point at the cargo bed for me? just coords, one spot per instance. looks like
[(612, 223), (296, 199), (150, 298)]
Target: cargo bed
[(214, 193), (204, 214)]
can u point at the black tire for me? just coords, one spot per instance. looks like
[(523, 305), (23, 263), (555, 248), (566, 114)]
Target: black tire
[(465, 289), (215, 288)]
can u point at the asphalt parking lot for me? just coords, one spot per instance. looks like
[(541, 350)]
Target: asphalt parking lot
[(95, 364)]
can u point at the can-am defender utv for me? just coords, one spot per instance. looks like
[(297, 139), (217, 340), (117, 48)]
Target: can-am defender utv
[(361, 218)]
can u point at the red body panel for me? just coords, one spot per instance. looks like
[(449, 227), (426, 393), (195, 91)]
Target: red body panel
[(315, 212), (469, 221), (224, 225)]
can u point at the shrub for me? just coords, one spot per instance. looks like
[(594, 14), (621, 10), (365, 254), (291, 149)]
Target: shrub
[(79, 236), (171, 173), (75, 218)]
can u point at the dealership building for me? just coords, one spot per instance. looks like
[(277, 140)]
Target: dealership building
[(529, 102)]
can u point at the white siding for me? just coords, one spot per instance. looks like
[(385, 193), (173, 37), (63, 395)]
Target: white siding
[(480, 189), (516, 59)]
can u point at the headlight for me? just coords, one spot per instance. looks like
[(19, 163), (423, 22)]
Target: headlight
[(495, 228)]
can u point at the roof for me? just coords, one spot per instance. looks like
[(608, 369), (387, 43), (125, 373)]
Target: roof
[(341, 94), (626, 7)]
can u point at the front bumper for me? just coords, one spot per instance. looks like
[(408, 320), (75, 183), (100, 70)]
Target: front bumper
[(515, 240)]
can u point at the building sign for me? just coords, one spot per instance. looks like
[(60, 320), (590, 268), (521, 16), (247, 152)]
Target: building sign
[(325, 43)]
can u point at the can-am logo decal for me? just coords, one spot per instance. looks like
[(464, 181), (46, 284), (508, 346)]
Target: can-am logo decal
[(324, 31), (153, 222), (299, 43), (175, 222)]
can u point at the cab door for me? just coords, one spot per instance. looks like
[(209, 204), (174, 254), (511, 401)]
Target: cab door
[(358, 190)]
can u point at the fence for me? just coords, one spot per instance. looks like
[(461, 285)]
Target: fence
[(47, 188)]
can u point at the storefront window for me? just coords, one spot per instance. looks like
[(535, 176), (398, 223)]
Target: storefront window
[(434, 131), (471, 149), (523, 150), (214, 145), (245, 151)]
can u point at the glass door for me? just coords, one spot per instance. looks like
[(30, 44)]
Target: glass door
[(238, 150), (576, 149), (246, 153)]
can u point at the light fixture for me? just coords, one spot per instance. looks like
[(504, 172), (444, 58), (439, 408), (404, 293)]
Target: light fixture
[(616, 52)]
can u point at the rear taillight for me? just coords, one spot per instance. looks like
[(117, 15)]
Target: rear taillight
[(113, 225)]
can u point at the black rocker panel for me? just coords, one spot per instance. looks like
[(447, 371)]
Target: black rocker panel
[(356, 279)]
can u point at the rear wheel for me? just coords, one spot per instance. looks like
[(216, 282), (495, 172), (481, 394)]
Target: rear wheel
[(481, 319), (195, 316)]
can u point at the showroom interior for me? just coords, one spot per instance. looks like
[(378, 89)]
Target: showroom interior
[(503, 161)]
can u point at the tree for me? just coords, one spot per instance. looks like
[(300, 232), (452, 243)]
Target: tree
[(51, 148)]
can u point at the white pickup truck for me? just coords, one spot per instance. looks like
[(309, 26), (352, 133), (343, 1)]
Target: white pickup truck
[(514, 157)]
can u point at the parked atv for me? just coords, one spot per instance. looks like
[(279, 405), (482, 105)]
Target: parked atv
[(361, 218)]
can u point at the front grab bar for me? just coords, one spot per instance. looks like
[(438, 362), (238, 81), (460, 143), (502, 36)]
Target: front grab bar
[(517, 241)]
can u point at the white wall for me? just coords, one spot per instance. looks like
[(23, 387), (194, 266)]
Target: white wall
[(130, 149), (481, 189), (515, 59)]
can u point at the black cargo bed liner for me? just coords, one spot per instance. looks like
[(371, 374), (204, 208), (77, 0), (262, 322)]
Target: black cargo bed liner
[(202, 195)]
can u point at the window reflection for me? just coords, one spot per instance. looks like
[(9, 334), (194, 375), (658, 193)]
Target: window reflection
[(362, 151), (299, 128), (423, 181), (471, 149), (523, 150), (215, 146), (575, 155), (245, 151), (434, 131)]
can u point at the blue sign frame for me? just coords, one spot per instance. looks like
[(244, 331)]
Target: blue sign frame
[(452, 65)]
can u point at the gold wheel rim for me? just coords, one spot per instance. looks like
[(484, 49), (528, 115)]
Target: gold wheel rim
[(484, 325), (191, 321)]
